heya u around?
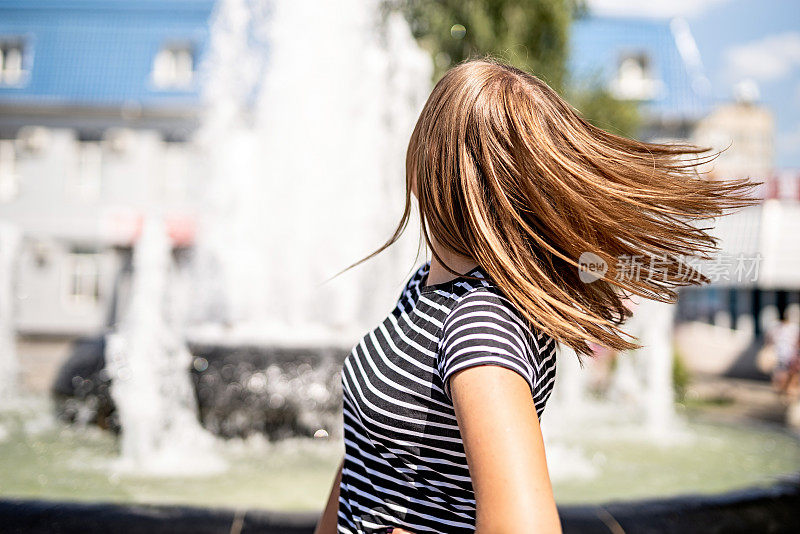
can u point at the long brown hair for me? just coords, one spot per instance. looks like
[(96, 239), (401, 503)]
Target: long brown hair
[(510, 175)]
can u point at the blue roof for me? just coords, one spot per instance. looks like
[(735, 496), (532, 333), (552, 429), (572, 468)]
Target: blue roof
[(598, 42), (100, 52)]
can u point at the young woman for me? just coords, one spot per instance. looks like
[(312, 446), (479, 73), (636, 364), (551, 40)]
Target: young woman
[(442, 400)]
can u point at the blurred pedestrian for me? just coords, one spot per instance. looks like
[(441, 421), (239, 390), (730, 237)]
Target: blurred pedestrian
[(785, 341), (601, 367)]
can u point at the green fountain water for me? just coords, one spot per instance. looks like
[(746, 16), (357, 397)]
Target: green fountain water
[(42, 459)]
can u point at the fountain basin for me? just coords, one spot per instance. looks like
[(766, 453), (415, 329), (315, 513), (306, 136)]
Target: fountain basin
[(277, 391), (42, 459), (719, 473), (241, 390), (759, 509)]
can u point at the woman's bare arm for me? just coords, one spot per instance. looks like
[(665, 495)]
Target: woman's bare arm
[(505, 451), (330, 515)]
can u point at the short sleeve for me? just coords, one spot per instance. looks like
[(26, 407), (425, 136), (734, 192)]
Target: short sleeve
[(484, 329)]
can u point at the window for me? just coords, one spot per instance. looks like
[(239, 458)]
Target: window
[(84, 183), (83, 277), (173, 67), (12, 70), (635, 79), (9, 181)]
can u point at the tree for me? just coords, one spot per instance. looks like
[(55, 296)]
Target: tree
[(532, 35), (602, 109)]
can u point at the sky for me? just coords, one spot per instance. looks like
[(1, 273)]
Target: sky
[(740, 40)]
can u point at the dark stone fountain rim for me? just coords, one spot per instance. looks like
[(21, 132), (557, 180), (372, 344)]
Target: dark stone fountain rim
[(269, 353), (773, 508)]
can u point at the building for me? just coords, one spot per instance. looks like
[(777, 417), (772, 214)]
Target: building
[(98, 102), (744, 131), (654, 62)]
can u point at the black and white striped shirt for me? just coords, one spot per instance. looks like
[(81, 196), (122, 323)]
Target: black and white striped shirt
[(404, 462)]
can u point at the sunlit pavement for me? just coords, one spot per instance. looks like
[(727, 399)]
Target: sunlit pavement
[(735, 399)]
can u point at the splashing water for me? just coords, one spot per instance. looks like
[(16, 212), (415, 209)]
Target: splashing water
[(310, 107), (149, 365), (9, 366), (637, 406)]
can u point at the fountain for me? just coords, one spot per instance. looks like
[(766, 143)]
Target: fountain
[(637, 405), (296, 193), (9, 246), (310, 106), (148, 362)]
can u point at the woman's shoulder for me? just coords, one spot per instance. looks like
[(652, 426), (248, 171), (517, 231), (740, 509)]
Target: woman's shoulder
[(485, 327), (486, 303)]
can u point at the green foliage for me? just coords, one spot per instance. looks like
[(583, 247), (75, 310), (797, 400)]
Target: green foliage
[(532, 35), (529, 34), (599, 107), (680, 376)]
